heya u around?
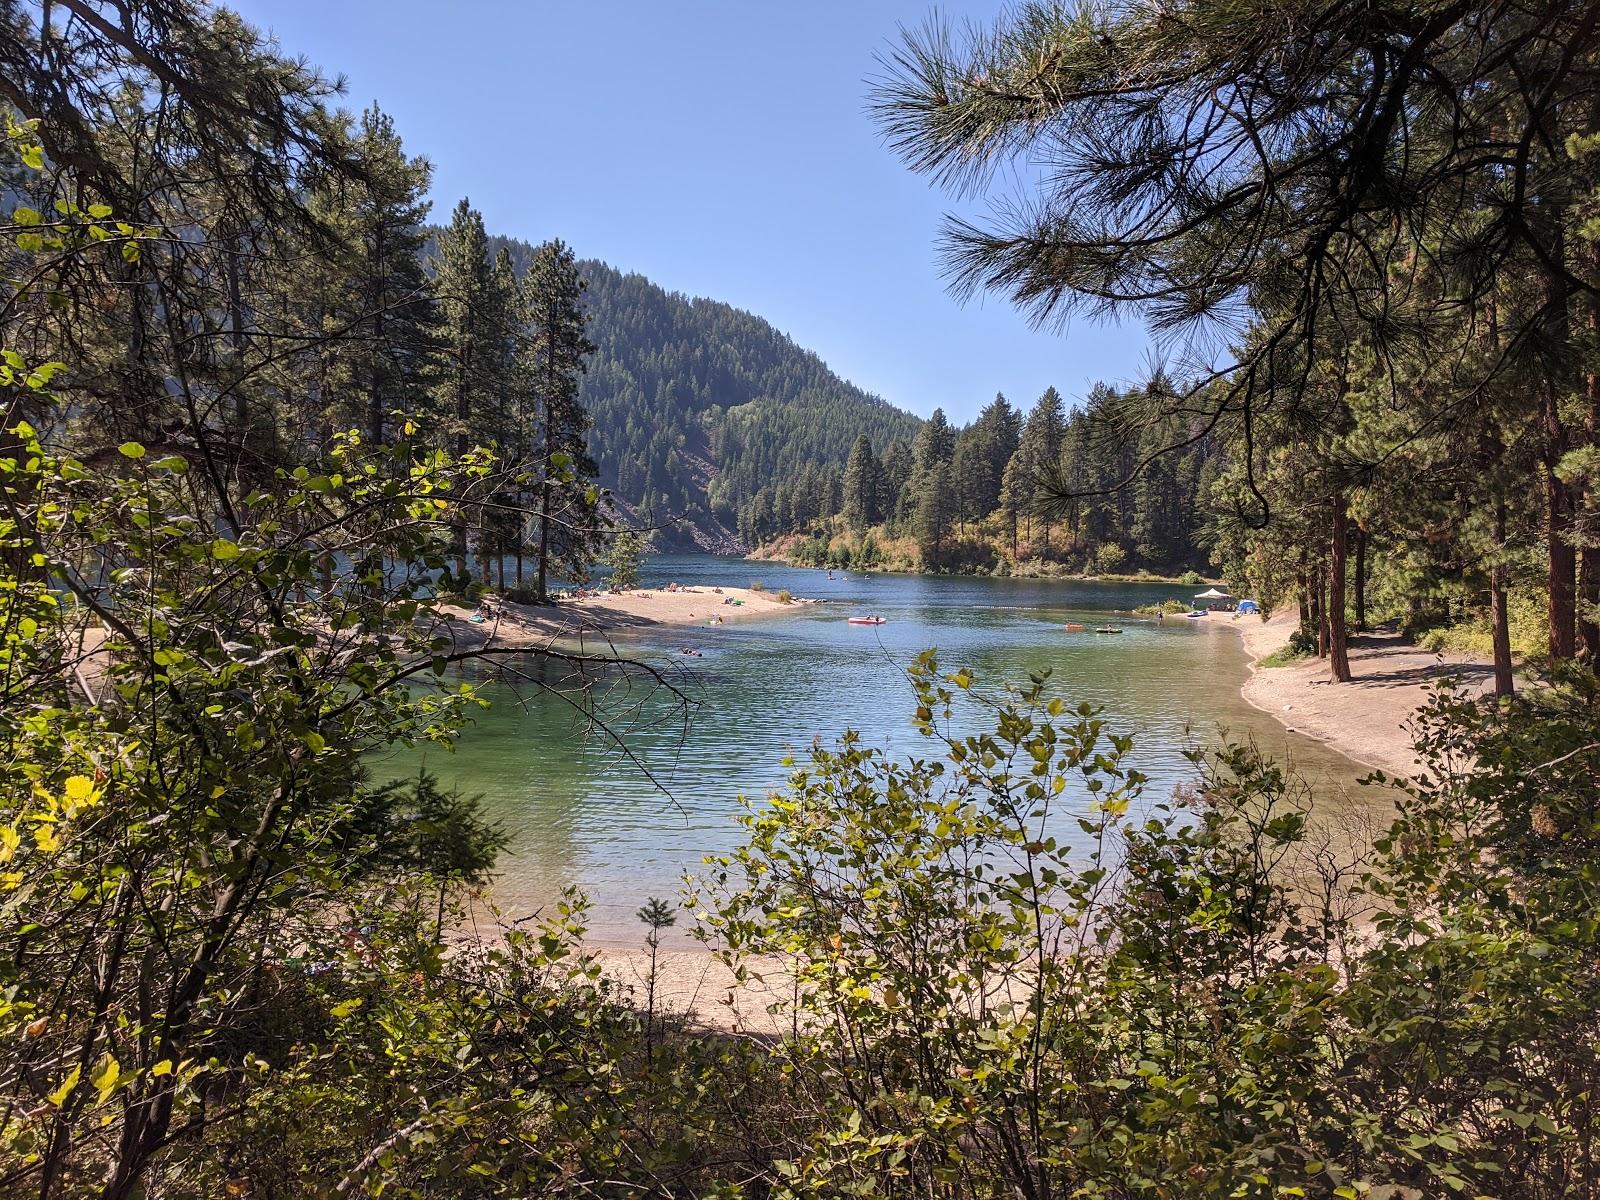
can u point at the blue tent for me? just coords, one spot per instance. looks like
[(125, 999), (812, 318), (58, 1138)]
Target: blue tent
[(1249, 606)]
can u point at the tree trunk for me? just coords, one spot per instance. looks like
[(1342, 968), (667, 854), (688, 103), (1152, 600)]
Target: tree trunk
[(1321, 604), (1589, 603), (1589, 565), (1338, 638), (1559, 508), (376, 297), (1303, 580), (1563, 565), (544, 535), (1361, 580), (1498, 616)]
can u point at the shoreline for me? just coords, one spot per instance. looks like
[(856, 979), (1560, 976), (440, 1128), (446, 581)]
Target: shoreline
[(1369, 719), (602, 614), (775, 552), (1365, 721)]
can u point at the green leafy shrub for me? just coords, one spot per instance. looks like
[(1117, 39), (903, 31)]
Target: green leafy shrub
[(1109, 558)]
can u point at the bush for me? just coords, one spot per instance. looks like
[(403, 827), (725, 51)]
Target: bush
[(757, 586), (628, 548), (1162, 608), (1185, 997), (784, 596), (1525, 620), (1109, 557)]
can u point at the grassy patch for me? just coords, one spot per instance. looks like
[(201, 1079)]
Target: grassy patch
[(1286, 656), (1162, 608)]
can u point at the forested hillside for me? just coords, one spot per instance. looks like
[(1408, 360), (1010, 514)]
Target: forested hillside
[(979, 498), (718, 431), (704, 414)]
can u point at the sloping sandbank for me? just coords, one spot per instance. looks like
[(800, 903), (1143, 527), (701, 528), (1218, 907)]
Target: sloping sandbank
[(1368, 719), (614, 612)]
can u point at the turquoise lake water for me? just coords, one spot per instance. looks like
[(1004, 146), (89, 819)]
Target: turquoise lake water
[(582, 812)]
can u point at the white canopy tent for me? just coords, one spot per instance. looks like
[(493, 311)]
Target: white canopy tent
[(1213, 594)]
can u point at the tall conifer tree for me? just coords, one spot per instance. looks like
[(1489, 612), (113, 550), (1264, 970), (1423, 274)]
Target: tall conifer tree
[(557, 346)]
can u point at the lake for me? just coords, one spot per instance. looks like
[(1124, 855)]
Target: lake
[(582, 813)]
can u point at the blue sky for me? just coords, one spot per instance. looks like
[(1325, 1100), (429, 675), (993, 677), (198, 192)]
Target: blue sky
[(722, 148)]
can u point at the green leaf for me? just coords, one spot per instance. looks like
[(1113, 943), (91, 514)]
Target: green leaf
[(223, 549), (131, 450)]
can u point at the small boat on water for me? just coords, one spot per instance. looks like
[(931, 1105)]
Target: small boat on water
[(1108, 629), (1195, 614), (1073, 627), (866, 620)]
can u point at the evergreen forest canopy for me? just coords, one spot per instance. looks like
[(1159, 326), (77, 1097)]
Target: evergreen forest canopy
[(254, 436), (713, 429)]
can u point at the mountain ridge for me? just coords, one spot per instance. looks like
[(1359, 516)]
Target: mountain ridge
[(705, 413)]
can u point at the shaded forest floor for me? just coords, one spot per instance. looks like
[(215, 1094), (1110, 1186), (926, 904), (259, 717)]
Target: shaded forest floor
[(1368, 719)]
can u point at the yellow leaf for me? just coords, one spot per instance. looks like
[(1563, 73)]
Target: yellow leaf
[(164, 1067), (79, 790), (59, 1096), (106, 1073)]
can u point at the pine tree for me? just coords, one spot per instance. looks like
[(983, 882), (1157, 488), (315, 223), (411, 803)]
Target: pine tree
[(862, 486), (462, 281), (567, 514), (1040, 449), (935, 443), (393, 369), (896, 477), (934, 507), (506, 422)]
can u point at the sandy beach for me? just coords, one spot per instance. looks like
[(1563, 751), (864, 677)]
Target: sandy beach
[(600, 614), (1368, 719), (694, 986)]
